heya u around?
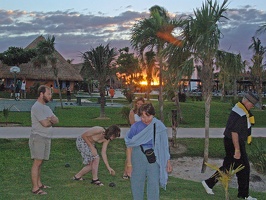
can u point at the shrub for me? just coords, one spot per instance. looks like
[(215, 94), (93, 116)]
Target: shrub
[(6, 113), (125, 113), (128, 94), (258, 156)]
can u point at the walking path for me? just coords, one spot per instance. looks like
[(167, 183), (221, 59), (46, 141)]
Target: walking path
[(74, 132)]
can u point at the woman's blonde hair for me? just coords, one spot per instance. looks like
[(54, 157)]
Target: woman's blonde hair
[(135, 109)]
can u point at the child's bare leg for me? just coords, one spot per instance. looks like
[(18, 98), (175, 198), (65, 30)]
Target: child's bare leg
[(84, 171), (94, 168)]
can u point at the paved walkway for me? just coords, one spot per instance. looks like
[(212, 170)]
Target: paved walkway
[(62, 132)]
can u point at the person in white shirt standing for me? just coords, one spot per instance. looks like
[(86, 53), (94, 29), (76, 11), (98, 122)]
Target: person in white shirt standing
[(42, 119), (23, 89)]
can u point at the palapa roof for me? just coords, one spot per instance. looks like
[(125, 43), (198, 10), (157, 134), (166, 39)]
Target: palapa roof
[(66, 71)]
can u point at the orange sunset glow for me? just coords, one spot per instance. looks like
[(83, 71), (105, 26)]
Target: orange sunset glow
[(155, 79), (155, 82)]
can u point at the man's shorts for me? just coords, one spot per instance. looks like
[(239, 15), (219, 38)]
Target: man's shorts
[(39, 147)]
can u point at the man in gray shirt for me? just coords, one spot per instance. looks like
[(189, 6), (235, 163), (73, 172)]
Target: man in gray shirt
[(42, 119)]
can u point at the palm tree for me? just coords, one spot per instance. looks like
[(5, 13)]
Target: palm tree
[(144, 37), (261, 29), (202, 34), (100, 61), (46, 54), (223, 75), (257, 68), (128, 64), (230, 66), (129, 71), (179, 66), (149, 64)]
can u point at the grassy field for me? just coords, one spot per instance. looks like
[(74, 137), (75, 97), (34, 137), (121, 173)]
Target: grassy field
[(192, 112), (15, 162), (15, 168)]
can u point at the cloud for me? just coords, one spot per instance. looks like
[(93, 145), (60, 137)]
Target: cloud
[(77, 32), (239, 30)]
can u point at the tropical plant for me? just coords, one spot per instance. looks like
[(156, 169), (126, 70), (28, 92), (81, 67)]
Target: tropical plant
[(149, 63), (46, 54), (230, 66), (144, 37), (180, 66), (129, 94), (100, 62), (129, 69), (261, 29), (125, 113), (6, 113), (201, 33), (225, 176), (257, 68), (16, 56), (258, 156)]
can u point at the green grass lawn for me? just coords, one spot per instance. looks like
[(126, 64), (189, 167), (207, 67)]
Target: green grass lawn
[(192, 112), (16, 164)]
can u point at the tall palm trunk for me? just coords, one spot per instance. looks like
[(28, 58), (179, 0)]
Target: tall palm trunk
[(59, 92), (161, 90), (57, 80), (207, 131), (102, 99)]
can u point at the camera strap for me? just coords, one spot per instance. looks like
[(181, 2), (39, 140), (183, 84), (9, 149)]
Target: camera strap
[(154, 131)]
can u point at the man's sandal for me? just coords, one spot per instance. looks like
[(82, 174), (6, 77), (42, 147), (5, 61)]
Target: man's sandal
[(97, 182), (39, 192), (78, 179), (44, 186)]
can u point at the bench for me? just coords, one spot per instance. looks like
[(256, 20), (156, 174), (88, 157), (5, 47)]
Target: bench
[(82, 96), (86, 96)]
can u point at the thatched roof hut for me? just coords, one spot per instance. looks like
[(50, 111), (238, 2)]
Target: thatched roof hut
[(66, 72)]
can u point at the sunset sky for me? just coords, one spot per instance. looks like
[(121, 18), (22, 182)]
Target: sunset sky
[(82, 24)]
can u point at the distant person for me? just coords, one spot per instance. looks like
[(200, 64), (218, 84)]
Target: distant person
[(86, 146), (68, 94), (23, 89), (17, 92), (236, 134), (148, 158), (112, 93), (12, 90), (52, 91), (133, 114), (134, 117), (42, 120)]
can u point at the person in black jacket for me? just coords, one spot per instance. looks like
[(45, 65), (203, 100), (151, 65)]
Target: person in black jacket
[(236, 134)]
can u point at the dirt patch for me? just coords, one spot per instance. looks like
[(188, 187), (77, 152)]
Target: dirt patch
[(180, 149), (189, 168)]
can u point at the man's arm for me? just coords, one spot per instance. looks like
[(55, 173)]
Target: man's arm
[(235, 140), (49, 121)]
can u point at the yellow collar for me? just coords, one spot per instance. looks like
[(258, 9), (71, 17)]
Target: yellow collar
[(248, 113)]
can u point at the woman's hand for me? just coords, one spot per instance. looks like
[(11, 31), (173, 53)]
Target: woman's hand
[(169, 167), (111, 171), (129, 170)]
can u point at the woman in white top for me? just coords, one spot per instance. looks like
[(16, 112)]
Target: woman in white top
[(133, 114), (134, 117)]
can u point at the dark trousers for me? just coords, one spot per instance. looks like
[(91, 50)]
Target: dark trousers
[(242, 176)]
